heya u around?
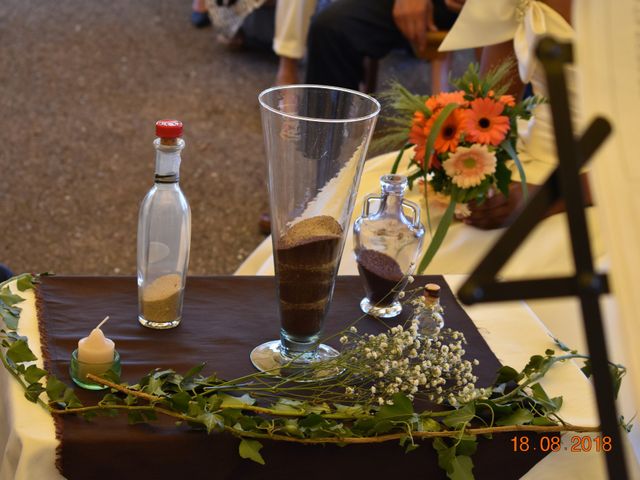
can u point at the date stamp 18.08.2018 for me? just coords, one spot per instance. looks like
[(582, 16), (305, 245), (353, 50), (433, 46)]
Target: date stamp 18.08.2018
[(553, 443)]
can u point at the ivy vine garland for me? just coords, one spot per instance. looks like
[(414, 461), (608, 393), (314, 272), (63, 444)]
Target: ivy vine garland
[(354, 409)]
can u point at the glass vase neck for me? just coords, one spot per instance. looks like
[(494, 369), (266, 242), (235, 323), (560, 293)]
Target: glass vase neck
[(168, 160), (393, 184)]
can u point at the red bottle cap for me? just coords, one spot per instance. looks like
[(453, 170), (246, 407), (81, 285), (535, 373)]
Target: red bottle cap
[(168, 128)]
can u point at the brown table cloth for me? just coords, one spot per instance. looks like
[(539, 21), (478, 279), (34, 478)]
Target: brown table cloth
[(223, 319)]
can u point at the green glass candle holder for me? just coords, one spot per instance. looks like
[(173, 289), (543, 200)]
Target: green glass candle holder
[(79, 371)]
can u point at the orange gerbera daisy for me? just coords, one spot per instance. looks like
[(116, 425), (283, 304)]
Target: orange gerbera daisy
[(445, 98), (483, 122), (449, 135), (432, 103), (508, 100), (418, 137)]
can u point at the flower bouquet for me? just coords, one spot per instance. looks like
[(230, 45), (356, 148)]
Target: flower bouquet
[(464, 141)]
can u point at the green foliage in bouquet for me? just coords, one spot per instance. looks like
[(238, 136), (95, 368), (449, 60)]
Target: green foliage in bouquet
[(463, 141), (372, 400)]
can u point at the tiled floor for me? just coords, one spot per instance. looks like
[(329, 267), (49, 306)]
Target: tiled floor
[(81, 85)]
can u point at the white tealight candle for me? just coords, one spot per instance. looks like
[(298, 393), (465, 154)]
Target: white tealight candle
[(96, 348)]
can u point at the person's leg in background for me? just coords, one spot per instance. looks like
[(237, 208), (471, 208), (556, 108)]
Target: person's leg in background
[(5, 273), (293, 18), (442, 62), (346, 32), (199, 14), (343, 34)]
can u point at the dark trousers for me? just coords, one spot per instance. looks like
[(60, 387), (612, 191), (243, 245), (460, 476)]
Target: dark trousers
[(347, 31), (5, 273)]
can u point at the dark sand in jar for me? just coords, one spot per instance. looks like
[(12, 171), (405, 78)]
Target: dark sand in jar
[(381, 274), (307, 258)]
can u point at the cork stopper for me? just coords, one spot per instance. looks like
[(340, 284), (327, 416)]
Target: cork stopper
[(432, 290)]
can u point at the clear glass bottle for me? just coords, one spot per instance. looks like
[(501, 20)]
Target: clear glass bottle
[(387, 242), (431, 316), (164, 235)]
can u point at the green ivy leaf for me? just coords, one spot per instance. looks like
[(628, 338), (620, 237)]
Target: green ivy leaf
[(90, 415), (536, 363), (324, 408), (134, 417), (9, 317), (350, 410), (312, 421), (70, 400), (33, 391), (211, 421), (111, 399), (246, 423), (229, 401), (411, 447), (408, 445), (154, 387), (428, 425), (467, 446), (55, 388), (195, 409), (461, 468), (250, 449), (383, 426), (401, 409), (141, 416), (446, 454), (542, 421), (284, 408), (19, 352), (291, 427), (507, 374), (180, 401), (364, 426), (540, 396), (459, 417), (9, 299), (231, 415), (25, 282), (189, 382), (521, 416), (111, 375), (32, 374)]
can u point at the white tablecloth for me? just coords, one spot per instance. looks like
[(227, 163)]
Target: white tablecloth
[(512, 330)]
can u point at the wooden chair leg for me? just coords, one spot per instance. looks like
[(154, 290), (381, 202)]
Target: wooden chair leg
[(370, 81)]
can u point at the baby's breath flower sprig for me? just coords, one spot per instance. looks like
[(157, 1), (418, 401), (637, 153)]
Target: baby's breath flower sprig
[(401, 360)]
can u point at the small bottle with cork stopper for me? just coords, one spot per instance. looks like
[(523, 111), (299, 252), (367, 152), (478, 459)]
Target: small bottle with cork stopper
[(164, 235), (431, 315)]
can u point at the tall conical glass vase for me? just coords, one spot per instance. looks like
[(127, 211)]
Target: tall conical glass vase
[(316, 140)]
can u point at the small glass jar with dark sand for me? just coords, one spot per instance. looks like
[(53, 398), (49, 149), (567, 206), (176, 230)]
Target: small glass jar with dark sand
[(387, 239)]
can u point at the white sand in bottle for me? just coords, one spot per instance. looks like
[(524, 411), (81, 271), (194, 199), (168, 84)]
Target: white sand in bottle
[(161, 299)]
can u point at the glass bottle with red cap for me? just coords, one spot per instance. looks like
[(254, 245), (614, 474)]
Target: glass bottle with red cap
[(164, 235)]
